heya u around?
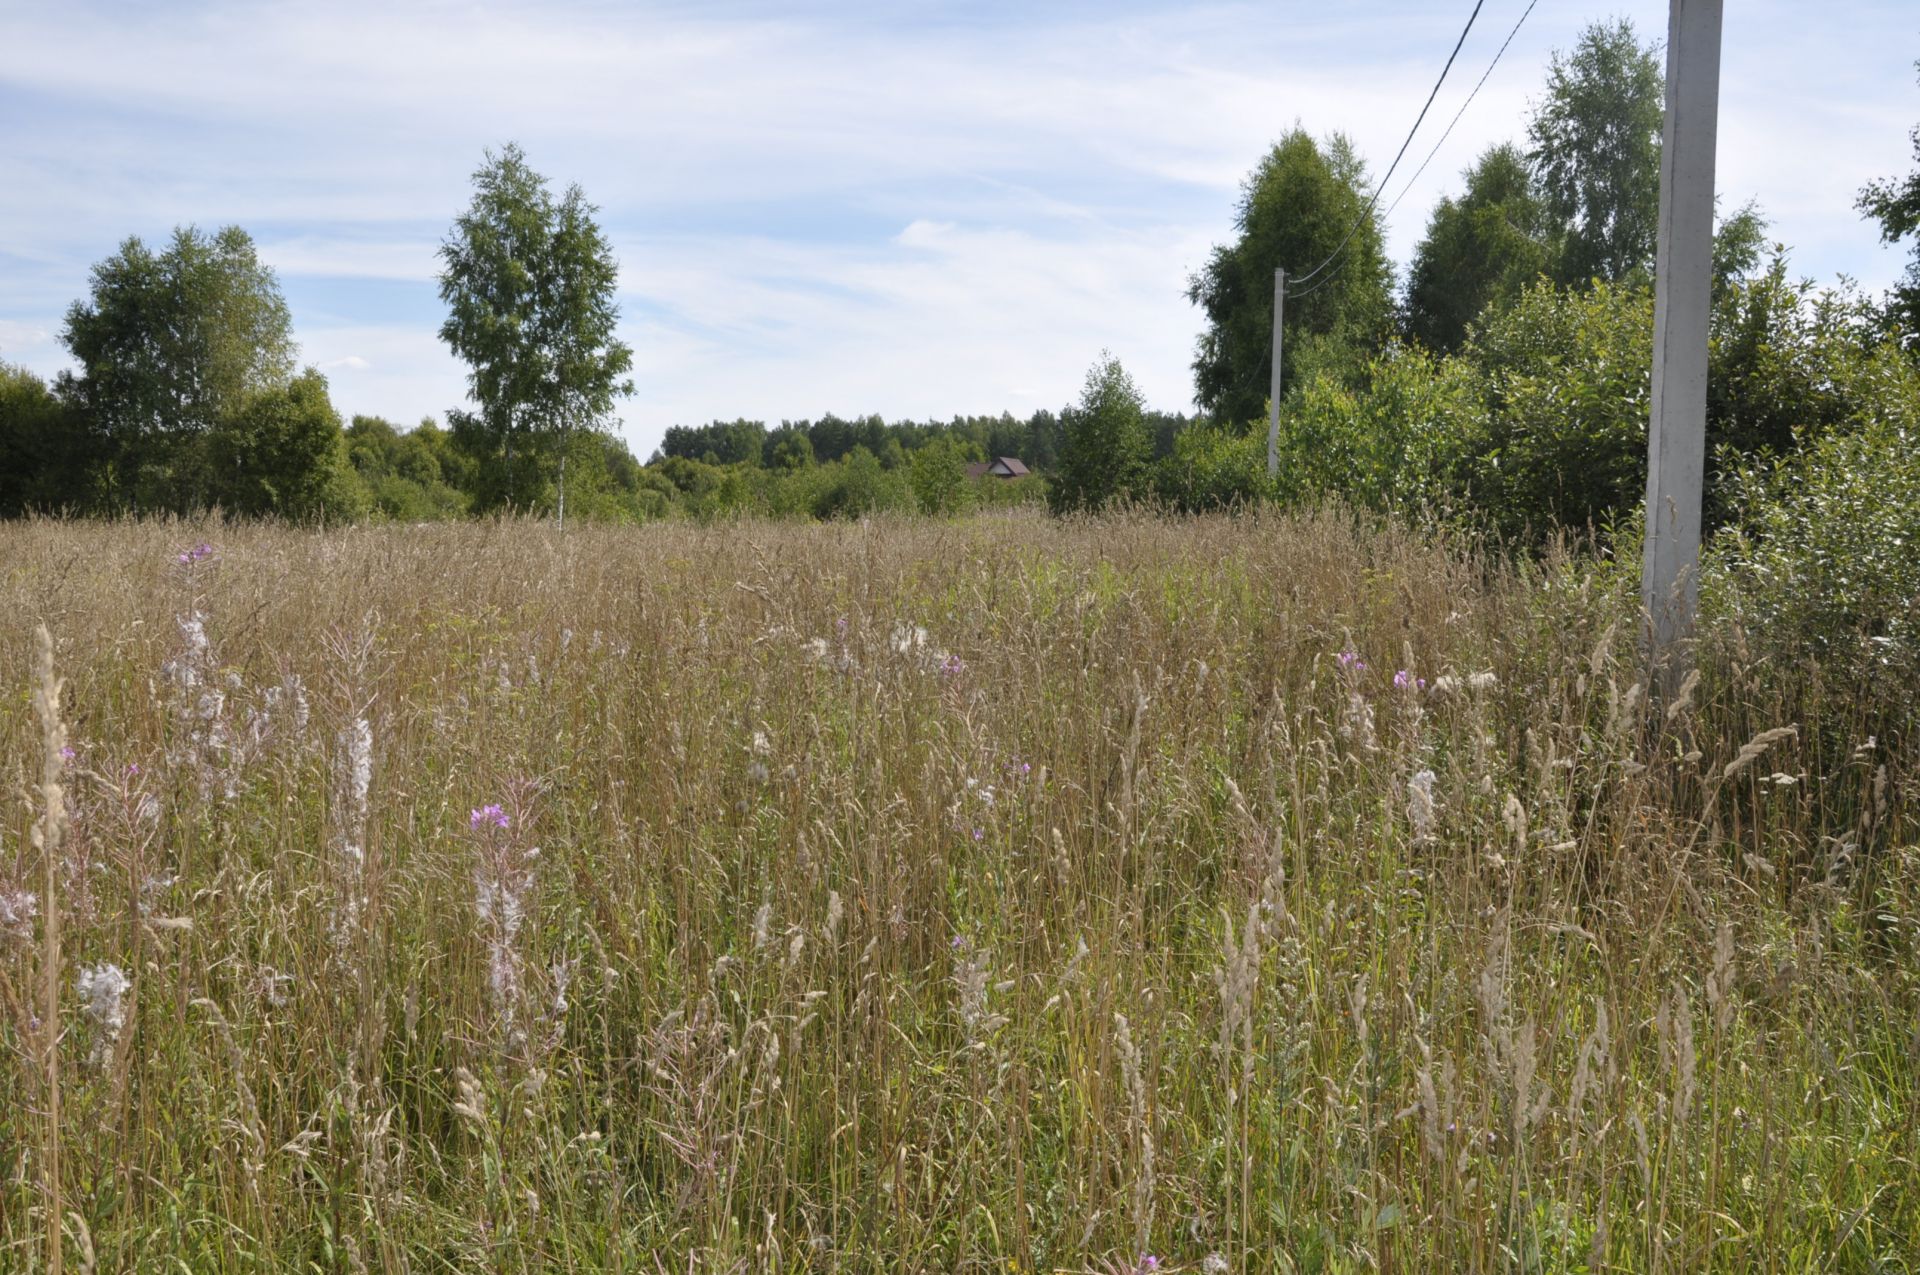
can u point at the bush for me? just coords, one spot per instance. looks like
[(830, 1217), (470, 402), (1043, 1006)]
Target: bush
[(408, 477), (1392, 442), (44, 449), (1820, 562), (1785, 367), (857, 486), (938, 473), (1213, 468), (1009, 493), (1540, 422), (282, 453), (1558, 437)]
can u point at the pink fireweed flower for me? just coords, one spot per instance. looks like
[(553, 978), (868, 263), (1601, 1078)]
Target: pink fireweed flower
[(489, 815)]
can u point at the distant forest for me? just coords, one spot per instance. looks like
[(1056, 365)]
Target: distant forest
[(1035, 440)]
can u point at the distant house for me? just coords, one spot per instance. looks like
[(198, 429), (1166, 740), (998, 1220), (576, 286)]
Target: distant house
[(998, 467)]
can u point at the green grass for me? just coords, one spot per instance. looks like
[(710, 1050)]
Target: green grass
[(788, 992)]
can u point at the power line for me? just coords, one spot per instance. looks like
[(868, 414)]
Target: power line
[(1295, 296), (1381, 189), (1462, 111)]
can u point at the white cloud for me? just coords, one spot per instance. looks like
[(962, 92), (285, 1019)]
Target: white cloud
[(399, 372), (317, 256), (940, 319), (20, 340)]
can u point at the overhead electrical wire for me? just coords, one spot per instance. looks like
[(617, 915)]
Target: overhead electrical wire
[(1462, 111), (1307, 292), (1381, 189)]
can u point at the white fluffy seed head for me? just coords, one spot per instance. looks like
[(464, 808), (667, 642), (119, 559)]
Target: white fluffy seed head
[(102, 990), (1422, 809)]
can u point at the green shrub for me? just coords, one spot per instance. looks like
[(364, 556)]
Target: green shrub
[(392, 498), (938, 474), (856, 486), (1559, 435), (1786, 365), (45, 452), (282, 453), (1540, 421), (1009, 493), (1820, 565), (409, 475), (1391, 442), (1213, 468)]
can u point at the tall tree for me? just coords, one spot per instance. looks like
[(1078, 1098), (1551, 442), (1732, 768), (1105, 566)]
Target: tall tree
[(1896, 206), (1104, 455), (1582, 203), (1487, 245), (1596, 152), (169, 344), (1296, 207), (529, 285)]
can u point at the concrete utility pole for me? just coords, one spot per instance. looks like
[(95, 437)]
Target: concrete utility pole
[(1677, 433), (1273, 382)]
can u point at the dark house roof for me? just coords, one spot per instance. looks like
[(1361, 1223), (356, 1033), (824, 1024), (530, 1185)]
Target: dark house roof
[(998, 467)]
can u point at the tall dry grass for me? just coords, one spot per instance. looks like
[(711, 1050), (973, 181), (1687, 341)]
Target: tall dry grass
[(930, 897)]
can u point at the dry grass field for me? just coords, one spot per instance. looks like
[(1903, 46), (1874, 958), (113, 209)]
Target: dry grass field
[(1239, 895)]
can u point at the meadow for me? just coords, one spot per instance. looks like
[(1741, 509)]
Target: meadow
[(1280, 893)]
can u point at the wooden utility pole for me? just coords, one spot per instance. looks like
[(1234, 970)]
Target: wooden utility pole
[(1273, 382), (1677, 432)]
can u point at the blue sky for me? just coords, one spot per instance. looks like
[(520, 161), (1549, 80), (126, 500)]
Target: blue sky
[(912, 208)]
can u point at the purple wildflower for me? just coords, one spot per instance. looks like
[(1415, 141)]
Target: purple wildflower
[(1351, 661), (67, 753), (199, 553), (952, 666), (1404, 680), (488, 815)]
